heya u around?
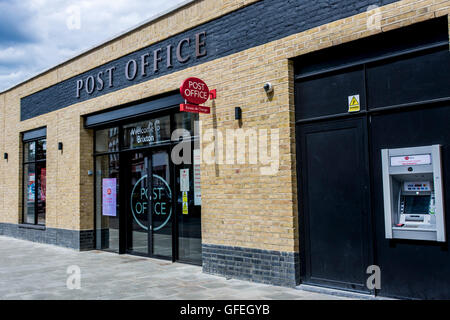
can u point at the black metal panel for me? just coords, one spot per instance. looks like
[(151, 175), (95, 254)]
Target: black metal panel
[(327, 95), (34, 134), (133, 111), (407, 96), (335, 210), (411, 269), (409, 79), (377, 47)]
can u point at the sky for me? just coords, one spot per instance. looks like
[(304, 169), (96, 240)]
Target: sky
[(38, 34)]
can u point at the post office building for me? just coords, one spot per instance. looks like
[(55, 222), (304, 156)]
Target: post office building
[(309, 144)]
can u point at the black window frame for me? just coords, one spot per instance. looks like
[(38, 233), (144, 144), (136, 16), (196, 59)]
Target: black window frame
[(29, 137)]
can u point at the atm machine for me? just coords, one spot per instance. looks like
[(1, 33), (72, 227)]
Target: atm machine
[(413, 195)]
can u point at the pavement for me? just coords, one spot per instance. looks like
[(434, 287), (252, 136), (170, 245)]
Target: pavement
[(34, 271)]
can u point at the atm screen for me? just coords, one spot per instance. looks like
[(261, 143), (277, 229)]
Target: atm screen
[(417, 204)]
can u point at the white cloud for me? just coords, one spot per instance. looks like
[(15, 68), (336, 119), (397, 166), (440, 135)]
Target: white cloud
[(11, 54), (9, 79), (51, 31)]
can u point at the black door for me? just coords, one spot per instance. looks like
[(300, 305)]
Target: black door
[(411, 268), (149, 208), (334, 211)]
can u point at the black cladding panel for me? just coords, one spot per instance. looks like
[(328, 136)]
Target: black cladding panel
[(410, 79), (133, 110), (328, 95), (405, 66), (380, 46)]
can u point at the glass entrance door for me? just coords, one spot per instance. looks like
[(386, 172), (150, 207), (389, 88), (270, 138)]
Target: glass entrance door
[(188, 210), (162, 204), (149, 210), (158, 217), (137, 212)]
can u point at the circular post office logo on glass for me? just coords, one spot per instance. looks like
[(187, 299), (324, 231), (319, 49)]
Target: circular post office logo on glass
[(161, 197)]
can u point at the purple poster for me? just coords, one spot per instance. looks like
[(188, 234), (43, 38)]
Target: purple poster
[(109, 197)]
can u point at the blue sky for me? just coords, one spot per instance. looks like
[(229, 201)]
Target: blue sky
[(38, 34)]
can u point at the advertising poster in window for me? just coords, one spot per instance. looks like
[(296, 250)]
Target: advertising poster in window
[(43, 184), (109, 197), (31, 184)]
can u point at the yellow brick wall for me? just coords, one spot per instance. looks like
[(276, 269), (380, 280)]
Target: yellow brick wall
[(240, 207), (3, 175)]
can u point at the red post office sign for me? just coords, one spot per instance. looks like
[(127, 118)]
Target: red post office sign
[(194, 108), (194, 90)]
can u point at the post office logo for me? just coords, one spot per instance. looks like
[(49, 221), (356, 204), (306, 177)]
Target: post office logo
[(161, 197)]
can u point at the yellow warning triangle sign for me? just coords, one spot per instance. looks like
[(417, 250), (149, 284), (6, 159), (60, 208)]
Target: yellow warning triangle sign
[(354, 102)]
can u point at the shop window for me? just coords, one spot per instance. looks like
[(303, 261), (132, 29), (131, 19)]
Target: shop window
[(107, 140), (107, 202), (146, 133), (187, 121), (34, 179)]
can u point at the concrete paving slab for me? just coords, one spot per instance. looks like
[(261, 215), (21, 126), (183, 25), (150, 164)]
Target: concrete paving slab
[(33, 271)]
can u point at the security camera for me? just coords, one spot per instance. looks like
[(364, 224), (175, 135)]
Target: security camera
[(268, 87)]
